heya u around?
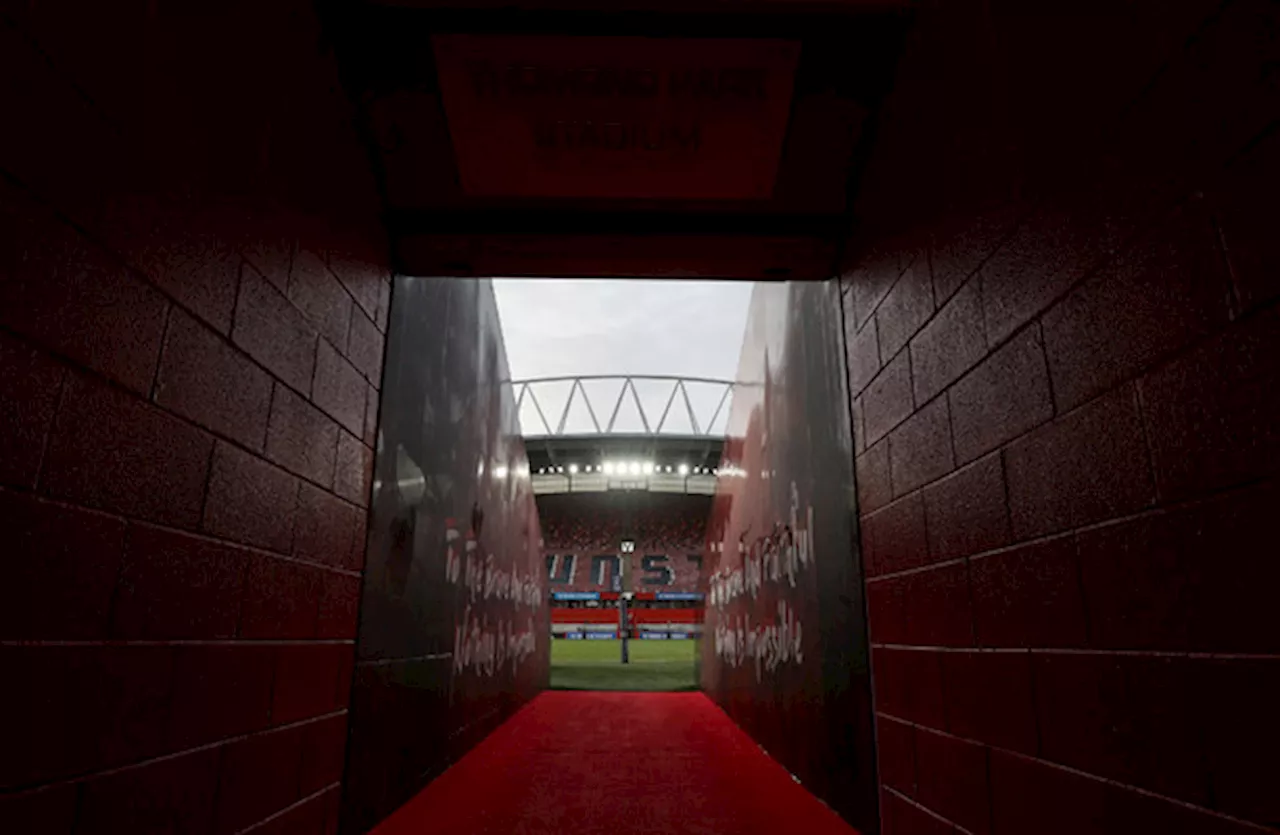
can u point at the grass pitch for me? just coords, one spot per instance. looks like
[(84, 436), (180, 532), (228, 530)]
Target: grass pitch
[(597, 665)]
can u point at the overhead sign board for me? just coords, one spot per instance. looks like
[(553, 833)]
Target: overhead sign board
[(616, 117)]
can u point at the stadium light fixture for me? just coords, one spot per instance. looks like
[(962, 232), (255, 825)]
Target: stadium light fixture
[(608, 468), (648, 468), (573, 469), (684, 469), (634, 468)]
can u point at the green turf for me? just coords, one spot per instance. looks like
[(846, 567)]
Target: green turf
[(597, 665)]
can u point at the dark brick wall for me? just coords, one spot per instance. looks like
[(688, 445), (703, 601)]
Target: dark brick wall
[(193, 295), (1064, 348)]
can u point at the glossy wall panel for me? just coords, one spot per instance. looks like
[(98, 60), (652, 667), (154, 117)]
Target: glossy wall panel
[(453, 624), (785, 647)]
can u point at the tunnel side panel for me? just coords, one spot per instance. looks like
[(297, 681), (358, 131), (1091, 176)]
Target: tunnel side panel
[(454, 630), (784, 647)]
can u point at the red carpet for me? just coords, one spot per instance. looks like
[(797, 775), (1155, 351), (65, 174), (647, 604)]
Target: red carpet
[(580, 763)]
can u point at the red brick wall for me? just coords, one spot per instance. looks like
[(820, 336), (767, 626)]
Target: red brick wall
[(1064, 347), (192, 305)]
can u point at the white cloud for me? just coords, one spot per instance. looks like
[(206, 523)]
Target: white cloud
[(555, 327)]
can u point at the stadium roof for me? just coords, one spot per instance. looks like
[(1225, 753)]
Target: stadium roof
[(591, 433)]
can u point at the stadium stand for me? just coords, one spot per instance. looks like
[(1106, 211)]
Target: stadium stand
[(583, 535)]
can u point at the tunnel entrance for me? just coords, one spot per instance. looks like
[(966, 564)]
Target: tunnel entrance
[(681, 534), (1004, 428)]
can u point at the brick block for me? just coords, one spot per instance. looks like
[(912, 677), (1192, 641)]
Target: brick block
[(324, 527), (895, 747), (958, 249), (301, 438), (338, 607), (907, 306), (989, 698), (219, 692), (949, 345), (1087, 466), (113, 451), (1241, 734), (190, 261), (259, 776), (1216, 97), (355, 555), (306, 683), (339, 389), (859, 426), (43, 746), (269, 253), (1230, 574), (920, 448), (307, 818), (30, 382), (346, 670), (887, 401), (966, 513), (886, 615), (1083, 715), (894, 539), (1210, 414), (1049, 252), (323, 745), (174, 795), (1005, 396), (66, 294), (905, 818), (357, 268), (1029, 597), (281, 599), (60, 570), (384, 306), (319, 295), (272, 331), (207, 381), (1030, 796), (1162, 294), (953, 780), (869, 283), (937, 607), (1136, 583), (871, 470), (250, 501), (864, 355), (1166, 722), (908, 684), (364, 347), (46, 811), (371, 418), (1248, 217), (121, 702), (175, 586), (354, 470)]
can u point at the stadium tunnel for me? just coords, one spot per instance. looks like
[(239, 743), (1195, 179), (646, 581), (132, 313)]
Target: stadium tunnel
[(988, 550)]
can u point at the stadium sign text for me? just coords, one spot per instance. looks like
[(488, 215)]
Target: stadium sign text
[(616, 117)]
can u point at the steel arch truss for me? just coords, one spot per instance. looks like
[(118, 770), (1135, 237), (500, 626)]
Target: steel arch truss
[(678, 389)]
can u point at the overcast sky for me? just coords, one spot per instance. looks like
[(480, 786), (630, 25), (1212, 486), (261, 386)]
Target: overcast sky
[(555, 327)]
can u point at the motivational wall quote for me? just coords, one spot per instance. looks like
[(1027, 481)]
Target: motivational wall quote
[(777, 559)]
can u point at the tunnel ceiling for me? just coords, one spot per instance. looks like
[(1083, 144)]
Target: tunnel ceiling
[(657, 139)]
